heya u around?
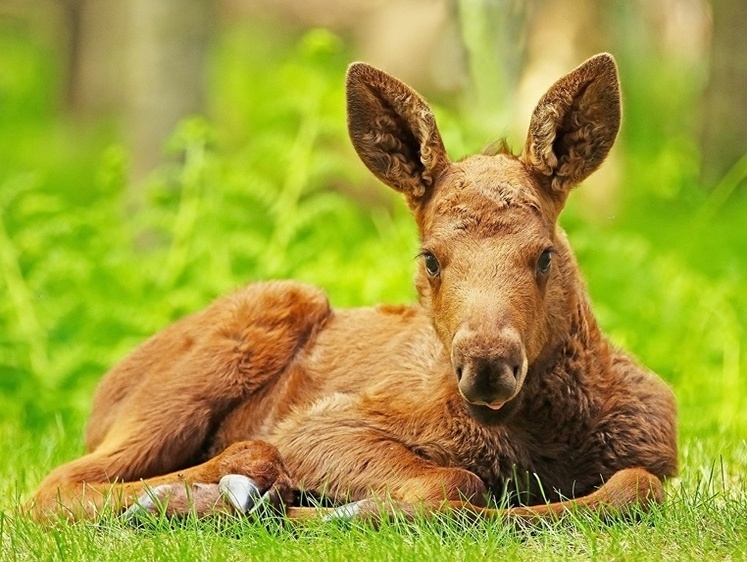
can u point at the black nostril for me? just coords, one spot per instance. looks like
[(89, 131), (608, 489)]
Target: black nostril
[(516, 372), (459, 373)]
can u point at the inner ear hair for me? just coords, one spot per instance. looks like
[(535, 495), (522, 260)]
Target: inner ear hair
[(575, 124), (394, 131)]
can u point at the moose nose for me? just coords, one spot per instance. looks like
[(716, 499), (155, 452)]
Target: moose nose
[(489, 370)]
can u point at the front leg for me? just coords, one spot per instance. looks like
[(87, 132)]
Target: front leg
[(335, 450), (627, 494)]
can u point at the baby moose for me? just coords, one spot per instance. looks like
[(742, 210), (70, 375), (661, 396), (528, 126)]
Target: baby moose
[(497, 383)]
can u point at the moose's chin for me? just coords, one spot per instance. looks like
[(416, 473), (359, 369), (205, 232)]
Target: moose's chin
[(493, 414)]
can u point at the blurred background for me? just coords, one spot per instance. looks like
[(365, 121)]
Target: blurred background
[(155, 154)]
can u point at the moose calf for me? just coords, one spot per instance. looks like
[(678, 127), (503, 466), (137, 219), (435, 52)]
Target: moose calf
[(497, 383)]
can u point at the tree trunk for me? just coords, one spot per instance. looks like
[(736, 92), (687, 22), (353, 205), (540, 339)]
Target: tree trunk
[(95, 33), (143, 60), (724, 126), (169, 41)]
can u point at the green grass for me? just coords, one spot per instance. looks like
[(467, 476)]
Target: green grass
[(703, 519), (82, 282)]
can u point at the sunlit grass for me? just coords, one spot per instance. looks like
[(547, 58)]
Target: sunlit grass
[(704, 517)]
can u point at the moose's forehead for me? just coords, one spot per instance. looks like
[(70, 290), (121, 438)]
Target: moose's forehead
[(487, 195)]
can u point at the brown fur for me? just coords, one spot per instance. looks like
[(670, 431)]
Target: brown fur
[(498, 382)]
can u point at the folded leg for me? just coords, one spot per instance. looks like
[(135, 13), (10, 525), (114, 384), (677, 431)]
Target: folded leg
[(201, 489)]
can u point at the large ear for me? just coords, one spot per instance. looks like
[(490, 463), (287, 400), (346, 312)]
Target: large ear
[(393, 131), (575, 124)]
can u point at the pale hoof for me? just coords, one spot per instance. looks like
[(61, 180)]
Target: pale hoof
[(242, 492), (150, 503), (346, 512)]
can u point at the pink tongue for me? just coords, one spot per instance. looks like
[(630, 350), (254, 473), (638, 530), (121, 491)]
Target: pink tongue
[(496, 406)]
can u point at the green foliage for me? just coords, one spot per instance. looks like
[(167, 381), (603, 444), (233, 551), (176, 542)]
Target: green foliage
[(88, 281), (269, 187)]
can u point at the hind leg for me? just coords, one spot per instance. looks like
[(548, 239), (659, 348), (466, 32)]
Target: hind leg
[(188, 378), (213, 486)]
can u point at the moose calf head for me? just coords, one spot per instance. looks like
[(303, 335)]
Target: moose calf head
[(497, 275)]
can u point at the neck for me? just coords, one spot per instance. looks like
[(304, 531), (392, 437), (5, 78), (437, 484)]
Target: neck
[(559, 386)]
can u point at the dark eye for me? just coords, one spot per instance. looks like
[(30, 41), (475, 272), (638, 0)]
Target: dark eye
[(432, 266), (544, 261)]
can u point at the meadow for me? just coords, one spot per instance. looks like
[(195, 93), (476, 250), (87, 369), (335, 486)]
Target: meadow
[(269, 188)]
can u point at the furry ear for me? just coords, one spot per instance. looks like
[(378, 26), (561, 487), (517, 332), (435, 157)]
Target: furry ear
[(575, 124), (393, 131)]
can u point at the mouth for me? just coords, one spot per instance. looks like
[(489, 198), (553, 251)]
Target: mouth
[(496, 405), (493, 414)]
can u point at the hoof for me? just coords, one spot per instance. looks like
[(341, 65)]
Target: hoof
[(150, 503), (346, 512), (242, 492)]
